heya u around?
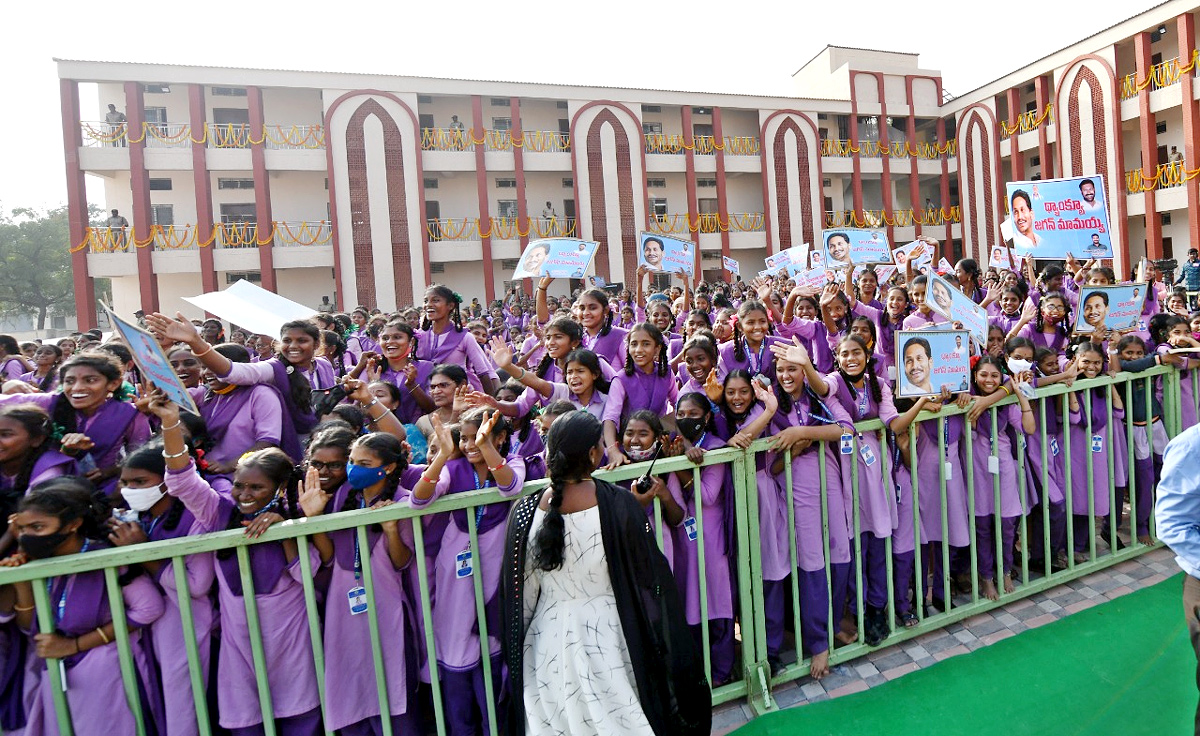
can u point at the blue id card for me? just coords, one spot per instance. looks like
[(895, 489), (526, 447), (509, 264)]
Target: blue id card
[(689, 525), (463, 568), (847, 445), (358, 600)]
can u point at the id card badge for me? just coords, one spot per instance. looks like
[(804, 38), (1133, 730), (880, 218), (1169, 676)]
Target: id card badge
[(993, 465), (847, 444), (463, 568), (891, 373), (868, 455), (949, 468), (689, 525), (358, 600), (1054, 446), (1097, 443)]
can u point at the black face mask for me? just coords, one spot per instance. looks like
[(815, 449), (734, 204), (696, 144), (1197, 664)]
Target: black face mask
[(41, 546), (690, 427)]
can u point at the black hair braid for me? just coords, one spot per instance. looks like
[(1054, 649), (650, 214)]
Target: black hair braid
[(662, 359), (456, 314), (174, 515), (544, 366), (299, 388), (876, 392), (63, 415), (551, 537), (783, 397), (739, 347), (608, 320), (628, 364), (44, 386)]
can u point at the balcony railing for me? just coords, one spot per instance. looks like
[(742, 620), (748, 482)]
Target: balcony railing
[(536, 141), (874, 149), (224, 235), (213, 135), (701, 144), (708, 222), (1028, 121), (499, 228), (1163, 74), (896, 218), (1166, 176)]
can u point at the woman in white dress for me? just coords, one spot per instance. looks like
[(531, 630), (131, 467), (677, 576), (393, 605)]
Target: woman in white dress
[(595, 637)]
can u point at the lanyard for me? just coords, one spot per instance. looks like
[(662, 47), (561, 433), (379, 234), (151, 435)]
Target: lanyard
[(478, 485), (150, 527), (756, 362), (863, 402), (62, 599), (362, 503)]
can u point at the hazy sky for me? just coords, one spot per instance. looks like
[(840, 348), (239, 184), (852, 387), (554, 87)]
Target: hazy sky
[(719, 47)]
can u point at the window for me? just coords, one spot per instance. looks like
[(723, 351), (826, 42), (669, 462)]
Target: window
[(507, 209), (561, 104), (232, 277), (651, 108), (1031, 106), (506, 183), (702, 111), (652, 128), (1035, 160), (1160, 127), (501, 123), (500, 102), (160, 185), (1165, 218), (162, 214), (438, 268), (509, 264), (658, 207), (229, 91), (706, 182), (430, 183), (157, 89), (157, 116), (656, 183), (424, 99), (827, 182), (568, 182), (822, 116), (232, 213), (223, 183)]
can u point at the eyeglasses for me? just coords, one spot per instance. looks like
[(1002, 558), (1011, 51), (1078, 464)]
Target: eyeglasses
[(318, 466), (1052, 308)]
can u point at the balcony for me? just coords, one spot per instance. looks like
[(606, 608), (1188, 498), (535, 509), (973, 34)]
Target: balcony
[(897, 218), (213, 135), (835, 148), (1027, 122), (708, 222), (537, 141), (1166, 176), (224, 235), (705, 145), (499, 228), (1163, 74)]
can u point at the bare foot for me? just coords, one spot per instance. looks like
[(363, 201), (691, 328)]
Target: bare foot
[(842, 638), (819, 666), (1082, 557), (1008, 583), (1145, 539), (988, 589)]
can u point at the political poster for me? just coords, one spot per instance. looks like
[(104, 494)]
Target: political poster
[(918, 251), (884, 274), (999, 258), (796, 255), (816, 259), (1109, 307), (251, 307), (943, 298), (666, 254), (731, 265), (1054, 217), (152, 361), (849, 245), (560, 258), (812, 278), (930, 360)]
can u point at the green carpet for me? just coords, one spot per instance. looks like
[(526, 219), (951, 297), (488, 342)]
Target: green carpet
[(1124, 667)]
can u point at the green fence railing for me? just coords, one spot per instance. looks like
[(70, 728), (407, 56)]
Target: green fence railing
[(752, 680)]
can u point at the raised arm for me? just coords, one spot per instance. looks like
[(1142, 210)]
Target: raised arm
[(182, 330), (540, 306)]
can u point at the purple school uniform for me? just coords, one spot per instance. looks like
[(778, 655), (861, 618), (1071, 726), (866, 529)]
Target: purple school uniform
[(274, 372), (1056, 341), (95, 694), (919, 319), (238, 420), (753, 361), (610, 347), (11, 369), (457, 347), (50, 464), (1093, 448), (408, 411), (640, 391), (167, 634), (815, 337), (282, 617), (715, 492), (1008, 419), (932, 463), (350, 694), (885, 350), (456, 633), (33, 380), (876, 497), (1004, 321)]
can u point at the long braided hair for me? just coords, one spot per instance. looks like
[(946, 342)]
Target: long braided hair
[(388, 449), (601, 297), (36, 424), (869, 371), (655, 335), (299, 388), (574, 332), (450, 296), (569, 444)]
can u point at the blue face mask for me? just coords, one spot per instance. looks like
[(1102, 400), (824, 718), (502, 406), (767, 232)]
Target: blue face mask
[(360, 476)]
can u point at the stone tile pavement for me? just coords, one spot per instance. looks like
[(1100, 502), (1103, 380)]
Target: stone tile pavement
[(889, 663)]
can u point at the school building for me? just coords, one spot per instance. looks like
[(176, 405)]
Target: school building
[(364, 188)]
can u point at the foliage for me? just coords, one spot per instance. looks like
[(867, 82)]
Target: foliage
[(35, 263)]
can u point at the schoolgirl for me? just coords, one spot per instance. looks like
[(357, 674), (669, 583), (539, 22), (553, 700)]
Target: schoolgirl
[(642, 440), (750, 348), (239, 419), (645, 384), (28, 456), (402, 368), (44, 376), (442, 338), (583, 382), (1089, 412)]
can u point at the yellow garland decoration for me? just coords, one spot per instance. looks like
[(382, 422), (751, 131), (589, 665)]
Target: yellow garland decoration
[(1028, 121), (1160, 75), (927, 151), (900, 218), (702, 144), (230, 135), (1166, 175), (233, 235)]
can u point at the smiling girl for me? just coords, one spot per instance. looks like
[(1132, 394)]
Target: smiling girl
[(28, 456), (645, 384), (750, 348), (1088, 410), (443, 340), (44, 376), (403, 369)]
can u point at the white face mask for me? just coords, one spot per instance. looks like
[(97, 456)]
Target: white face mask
[(141, 499), (1016, 365)]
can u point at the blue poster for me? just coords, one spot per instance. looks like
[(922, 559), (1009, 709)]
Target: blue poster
[(797, 255), (956, 306), (667, 254), (1054, 217), (152, 362), (1109, 307), (560, 258), (931, 359), (848, 245)]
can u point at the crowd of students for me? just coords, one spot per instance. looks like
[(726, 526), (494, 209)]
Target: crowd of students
[(364, 410)]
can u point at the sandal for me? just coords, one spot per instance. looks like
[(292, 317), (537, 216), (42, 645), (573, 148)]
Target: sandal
[(909, 619)]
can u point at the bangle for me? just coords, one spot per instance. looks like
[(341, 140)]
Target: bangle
[(172, 457), (432, 482), (373, 403), (543, 288), (173, 426), (100, 631), (500, 465), (206, 352), (26, 609), (523, 372), (1007, 390)]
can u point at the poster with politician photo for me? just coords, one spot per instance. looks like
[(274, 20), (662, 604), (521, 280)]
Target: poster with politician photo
[(849, 245), (560, 258), (948, 301), (666, 254), (1109, 308), (1052, 218), (930, 360)]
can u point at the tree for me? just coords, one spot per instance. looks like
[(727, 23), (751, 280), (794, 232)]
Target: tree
[(35, 263)]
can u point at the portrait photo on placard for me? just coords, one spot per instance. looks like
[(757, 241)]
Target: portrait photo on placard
[(931, 359)]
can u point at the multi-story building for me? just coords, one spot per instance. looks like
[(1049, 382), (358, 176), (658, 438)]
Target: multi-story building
[(367, 188)]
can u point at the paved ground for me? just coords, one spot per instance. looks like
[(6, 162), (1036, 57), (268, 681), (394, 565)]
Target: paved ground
[(965, 636)]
